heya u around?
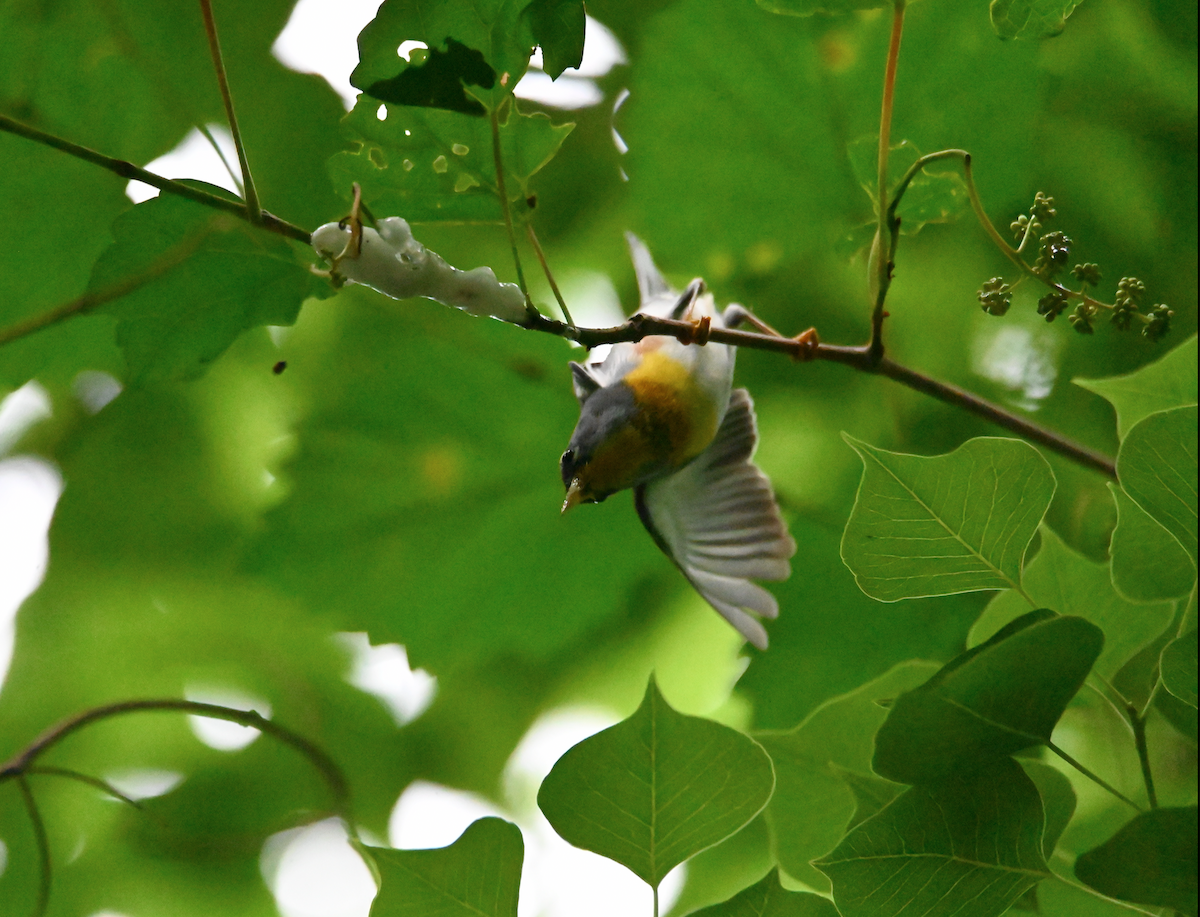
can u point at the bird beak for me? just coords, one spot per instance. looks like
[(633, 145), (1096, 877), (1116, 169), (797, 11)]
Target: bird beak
[(574, 495)]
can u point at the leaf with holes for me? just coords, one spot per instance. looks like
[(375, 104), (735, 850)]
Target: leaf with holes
[(1157, 468), (768, 898), (953, 523), (993, 700), (656, 788), (428, 165), (813, 7), (1030, 18), (478, 875), (1061, 579), (937, 196), (1152, 860), (928, 853)]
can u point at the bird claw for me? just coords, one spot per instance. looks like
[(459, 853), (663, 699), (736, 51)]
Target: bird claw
[(807, 343), (699, 332)]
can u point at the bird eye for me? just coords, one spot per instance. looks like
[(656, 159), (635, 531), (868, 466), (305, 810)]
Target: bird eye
[(567, 466)]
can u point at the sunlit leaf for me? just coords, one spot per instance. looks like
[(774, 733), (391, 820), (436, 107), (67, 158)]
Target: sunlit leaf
[(1179, 667), (1067, 582), (998, 698), (1168, 382), (209, 278), (1157, 468), (428, 165), (478, 875), (767, 898), (1152, 860), (1148, 563), (953, 523), (1031, 18), (925, 853), (656, 788), (814, 799)]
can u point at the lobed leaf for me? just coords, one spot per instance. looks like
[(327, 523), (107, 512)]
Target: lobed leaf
[(209, 277), (937, 196), (996, 699), (954, 523), (1157, 468), (1169, 382), (1179, 667), (1030, 18), (429, 165), (1070, 584), (1146, 561), (656, 788), (1152, 860), (768, 898), (479, 875), (930, 853)]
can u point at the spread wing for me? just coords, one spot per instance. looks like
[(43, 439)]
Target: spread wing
[(717, 519)]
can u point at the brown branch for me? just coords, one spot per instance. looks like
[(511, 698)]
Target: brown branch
[(860, 358), (129, 171)]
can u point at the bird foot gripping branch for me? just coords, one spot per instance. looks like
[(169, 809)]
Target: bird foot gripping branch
[(661, 417)]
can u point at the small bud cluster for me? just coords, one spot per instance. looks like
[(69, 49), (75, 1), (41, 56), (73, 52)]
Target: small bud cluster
[(1054, 254)]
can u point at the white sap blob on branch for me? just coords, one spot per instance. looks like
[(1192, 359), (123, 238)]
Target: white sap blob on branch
[(397, 265)]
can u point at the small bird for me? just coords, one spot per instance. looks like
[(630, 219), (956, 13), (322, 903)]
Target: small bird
[(662, 417)]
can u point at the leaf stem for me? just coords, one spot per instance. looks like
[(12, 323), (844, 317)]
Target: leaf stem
[(541, 256), (1139, 738), (253, 207), (42, 843), (90, 300), (129, 171), (494, 117), (1096, 779), (102, 785), (880, 265)]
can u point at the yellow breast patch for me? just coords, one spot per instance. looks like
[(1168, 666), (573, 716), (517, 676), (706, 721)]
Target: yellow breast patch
[(677, 415)]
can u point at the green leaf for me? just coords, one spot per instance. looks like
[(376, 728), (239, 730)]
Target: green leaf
[(768, 898), (993, 700), (813, 7), (478, 875), (1169, 382), (871, 794), (209, 278), (471, 42), (954, 523), (1179, 667), (926, 853), (1152, 860), (1058, 800), (1148, 563), (937, 196), (814, 799), (656, 788), (1070, 584), (558, 26), (1030, 18), (1157, 468), (428, 165)]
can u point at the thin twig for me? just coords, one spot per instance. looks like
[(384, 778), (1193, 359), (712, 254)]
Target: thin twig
[(887, 226), (212, 141), (253, 208), (89, 301), (102, 785), (494, 117), (130, 172), (1096, 779), (541, 256), (43, 846)]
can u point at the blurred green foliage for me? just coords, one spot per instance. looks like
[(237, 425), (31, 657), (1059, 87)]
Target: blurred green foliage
[(400, 477)]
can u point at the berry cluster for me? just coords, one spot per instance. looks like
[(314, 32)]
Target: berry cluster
[(1053, 256)]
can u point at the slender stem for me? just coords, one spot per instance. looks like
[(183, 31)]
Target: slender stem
[(541, 256), (43, 846), (214, 49), (130, 172), (656, 901), (212, 141), (1139, 737), (508, 224), (20, 764), (96, 782), (89, 301), (886, 231), (1099, 781)]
